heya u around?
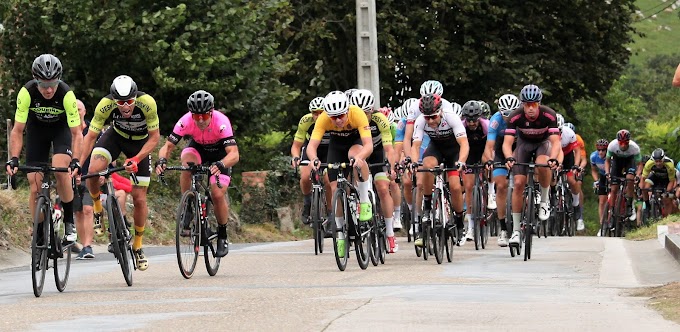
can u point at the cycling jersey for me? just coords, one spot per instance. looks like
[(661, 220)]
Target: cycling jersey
[(614, 151), (399, 138), (144, 117), (62, 108), (568, 140), (450, 128), (356, 126), (414, 110), (380, 130), (305, 129), (533, 131), (497, 127), (666, 171), (477, 140), (581, 145), (213, 138), (597, 161)]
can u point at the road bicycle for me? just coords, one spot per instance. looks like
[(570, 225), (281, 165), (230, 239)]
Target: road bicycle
[(529, 216)]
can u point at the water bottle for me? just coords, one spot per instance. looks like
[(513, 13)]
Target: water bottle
[(56, 216), (204, 211)]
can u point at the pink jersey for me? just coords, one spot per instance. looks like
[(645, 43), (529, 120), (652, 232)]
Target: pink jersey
[(213, 138)]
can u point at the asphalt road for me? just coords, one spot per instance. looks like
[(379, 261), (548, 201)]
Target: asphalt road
[(571, 284)]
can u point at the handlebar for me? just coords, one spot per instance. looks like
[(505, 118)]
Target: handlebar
[(194, 169), (107, 172)]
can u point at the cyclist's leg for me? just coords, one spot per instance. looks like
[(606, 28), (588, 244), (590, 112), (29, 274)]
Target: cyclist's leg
[(105, 150), (37, 152), (363, 184), (469, 183), (544, 179), (219, 199), (306, 187), (395, 192), (501, 198), (191, 154), (522, 154), (131, 148)]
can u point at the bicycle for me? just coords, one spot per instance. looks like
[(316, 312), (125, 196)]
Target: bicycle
[(196, 224), (655, 210), (565, 224), (479, 210), (440, 233), (405, 211), (120, 233), (616, 214), (345, 204), (318, 210), (46, 241), (529, 213), (378, 238)]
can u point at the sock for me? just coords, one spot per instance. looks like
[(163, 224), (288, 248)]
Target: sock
[(308, 199), (67, 208), (139, 234), (492, 188), (471, 223), (389, 225), (363, 192), (545, 194), (397, 212), (427, 202), (574, 200), (516, 218), (339, 222), (96, 202), (504, 227), (222, 231), (459, 220), (410, 207)]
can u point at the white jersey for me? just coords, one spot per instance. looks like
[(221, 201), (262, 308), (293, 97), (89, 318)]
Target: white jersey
[(414, 110), (567, 136), (450, 128), (613, 150)]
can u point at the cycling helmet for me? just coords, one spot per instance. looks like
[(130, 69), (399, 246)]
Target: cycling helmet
[(123, 88), (658, 154), (316, 104), (388, 113), (349, 92), (201, 102), (530, 93), (47, 67), (400, 113), (472, 110), (336, 103), (507, 103), (486, 109), (602, 143), (571, 126), (560, 120), (409, 103), (623, 135), (430, 104), (457, 109), (363, 98), (431, 87)]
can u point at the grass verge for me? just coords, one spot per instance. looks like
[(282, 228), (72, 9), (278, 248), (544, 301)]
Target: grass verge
[(665, 299), (649, 232)]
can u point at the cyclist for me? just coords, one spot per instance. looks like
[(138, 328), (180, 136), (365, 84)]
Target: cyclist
[(382, 148), (401, 153), (46, 109), (623, 156), (486, 109), (659, 173), (476, 128), (448, 145), (494, 151), (297, 150), (537, 135), (212, 143), (579, 176), (395, 191), (350, 141), (569, 156), (82, 203), (134, 132), (597, 171)]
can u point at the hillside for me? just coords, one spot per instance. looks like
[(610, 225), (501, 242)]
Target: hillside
[(660, 24)]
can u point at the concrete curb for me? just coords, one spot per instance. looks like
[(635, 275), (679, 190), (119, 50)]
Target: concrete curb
[(673, 245)]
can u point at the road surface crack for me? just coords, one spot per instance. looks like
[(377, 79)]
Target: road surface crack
[(346, 313)]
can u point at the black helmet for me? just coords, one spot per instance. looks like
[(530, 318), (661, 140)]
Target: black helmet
[(430, 104), (201, 102), (472, 110), (123, 88), (47, 67), (658, 154)]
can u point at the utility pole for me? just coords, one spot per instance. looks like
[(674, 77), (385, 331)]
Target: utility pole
[(367, 49)]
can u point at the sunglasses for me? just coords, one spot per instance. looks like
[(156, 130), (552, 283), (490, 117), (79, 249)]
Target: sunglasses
[(200, 117), (317, 112), (127, 102), (471, 119), (336, 117), (532, 104), (431, 117), (601, 149), (46, 85)]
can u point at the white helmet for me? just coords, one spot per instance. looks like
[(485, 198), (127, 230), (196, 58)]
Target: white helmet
[(400, 113), (364, 99), (560, 120), (409, 103), (508, 103), (431, 87), (457, 109), (335, 103), (316, 104)]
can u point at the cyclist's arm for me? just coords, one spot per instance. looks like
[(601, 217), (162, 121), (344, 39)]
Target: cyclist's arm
[(595, 173), (647, 168), (300, 135), (415, 150), (166, 149), (555, 146), (560, 157), (464, 148), (88, 143), (73, 120), (76, 141), (488, 150), (101, 113), (508, 140), (577, 156), (16, 139), (607, 164), (232, 156), (408, 136), (311, 148), (366, 147), (150, 145), (296, 149)]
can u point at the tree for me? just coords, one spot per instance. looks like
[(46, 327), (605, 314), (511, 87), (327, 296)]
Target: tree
[(170, 48)]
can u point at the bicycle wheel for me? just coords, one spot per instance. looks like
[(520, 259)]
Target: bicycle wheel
[(604, 221), (529, 223), (373, 237), (620, 206), (415, 222), (39, 245), (120, 239), (406, 219), (382, 240), (476, 215), (425, 233), (341, 210), (187, 237), (362, 241), (62, 262), (212, 263), (316, 223), (438, 229)]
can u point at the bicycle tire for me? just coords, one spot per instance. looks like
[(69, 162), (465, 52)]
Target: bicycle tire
[(528, 226), (415, 222), (340, 202), (568, 212), (620, 201), (406, 219), (425, 233), (604, 220), (439, 227), (39, 250), (209, 233), (187, 247), (323, 216), (476, 215), (119, 240), (62, 262), (316, 222), (362, 241)]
